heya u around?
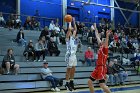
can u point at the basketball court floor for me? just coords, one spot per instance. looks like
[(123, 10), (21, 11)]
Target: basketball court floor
[(120, 89)]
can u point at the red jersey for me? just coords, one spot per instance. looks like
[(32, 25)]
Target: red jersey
[(102, 56), (101, 69)]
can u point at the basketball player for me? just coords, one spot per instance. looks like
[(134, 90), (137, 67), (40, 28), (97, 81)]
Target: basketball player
[(70, 56), (100, 71)]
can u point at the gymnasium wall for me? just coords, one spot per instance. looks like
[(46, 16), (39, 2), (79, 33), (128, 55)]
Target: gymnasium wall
[(46, 8), (96, 12), (120, 19), (7, 6)]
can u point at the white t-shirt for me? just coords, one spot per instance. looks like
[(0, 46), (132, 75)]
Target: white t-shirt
[(1, 18), (51, 26)]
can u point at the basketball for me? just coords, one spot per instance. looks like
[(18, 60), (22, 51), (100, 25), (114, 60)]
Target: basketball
[(68, 18)]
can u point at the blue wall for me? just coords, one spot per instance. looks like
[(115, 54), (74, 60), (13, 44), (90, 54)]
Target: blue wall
[(94, 10), (120, 19), (47, 8), (7, 6)]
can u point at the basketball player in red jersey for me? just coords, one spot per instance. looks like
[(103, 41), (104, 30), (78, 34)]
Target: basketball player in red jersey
[(100, 71)]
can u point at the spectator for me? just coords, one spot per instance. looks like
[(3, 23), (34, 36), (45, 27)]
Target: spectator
[(135, 44), (51, 26), (37, 15), (112, 46), (17, 22), (130, 46), (121, 74), (27, 23), (9, 62), (47, 76), (34, 24), (11, 21), (62, 36), (20, 38), (136, 59), (45, 45), (52, 48), (79, 44), (89, 56), (91, 37), (57, 31), (2, 21), (29, 51), (45, 33), (124, 46), (110, 72), (40, 50)]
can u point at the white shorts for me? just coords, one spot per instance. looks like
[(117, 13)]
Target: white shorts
[(71, 60)]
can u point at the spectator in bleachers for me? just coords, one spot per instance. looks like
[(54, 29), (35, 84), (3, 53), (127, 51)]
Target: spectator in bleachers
[(2, 21), (40, 50), (122, 75), (27, 23), (124, 46), (20, 38), (135, 44), (44, 41), (11, 21), (51, 26), (34, 24), (112, 76), (47, 76), (45, 32), (112, 46), (37, 15), (89, 56), (57, 31), (100, 28), (52, 48), (62, 36), (130, 45), (9, 62), (29, 51), (91, 37), (79, 44), (136, 59), (17, 22)]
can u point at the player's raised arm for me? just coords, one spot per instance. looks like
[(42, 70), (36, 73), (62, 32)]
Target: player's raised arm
[(69, 31), (107, 38), (75, 27), (97, 34)]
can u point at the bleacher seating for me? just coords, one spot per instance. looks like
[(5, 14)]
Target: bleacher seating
[(29, 78)]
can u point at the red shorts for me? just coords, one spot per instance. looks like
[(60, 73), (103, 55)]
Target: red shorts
[(99, 73)]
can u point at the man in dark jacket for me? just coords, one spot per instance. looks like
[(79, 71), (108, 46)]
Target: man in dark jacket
[(29, 51), (52, 48), (121, 74)]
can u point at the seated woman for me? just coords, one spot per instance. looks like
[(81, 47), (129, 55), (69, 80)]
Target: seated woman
[(40, 50), (20, 38), (29, 51), (9, 62)]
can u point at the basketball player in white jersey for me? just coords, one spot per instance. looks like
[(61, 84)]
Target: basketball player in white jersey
[(70, 56)]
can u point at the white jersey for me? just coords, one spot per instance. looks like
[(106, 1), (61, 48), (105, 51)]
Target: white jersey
[(71, 46)]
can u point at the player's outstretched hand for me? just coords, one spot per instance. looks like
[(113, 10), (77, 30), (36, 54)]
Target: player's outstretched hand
[(108, 32)]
